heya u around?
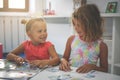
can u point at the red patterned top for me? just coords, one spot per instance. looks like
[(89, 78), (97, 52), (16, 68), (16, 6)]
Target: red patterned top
[(38, 52)]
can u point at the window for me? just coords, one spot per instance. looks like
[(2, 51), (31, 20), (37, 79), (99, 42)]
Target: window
[(14, 5)]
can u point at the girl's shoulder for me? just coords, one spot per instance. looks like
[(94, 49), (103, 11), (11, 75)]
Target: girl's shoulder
[(48, 43), (103, 44), (26, 42), (74, 37), (71, 38)]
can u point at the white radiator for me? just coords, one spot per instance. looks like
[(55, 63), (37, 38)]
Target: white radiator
[(12, 32)]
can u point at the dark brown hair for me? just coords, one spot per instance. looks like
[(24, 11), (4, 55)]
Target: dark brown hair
[(89, 16)]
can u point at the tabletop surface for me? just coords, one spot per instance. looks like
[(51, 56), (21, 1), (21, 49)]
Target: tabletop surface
[(48, 73), (11, 71), (54, 73)]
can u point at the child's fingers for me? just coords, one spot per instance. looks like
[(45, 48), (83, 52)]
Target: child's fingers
[(79, 69), (20, 60), (62, 67), (82, 69), (34, 63), (41, 66), (25, 60), (65, 67)]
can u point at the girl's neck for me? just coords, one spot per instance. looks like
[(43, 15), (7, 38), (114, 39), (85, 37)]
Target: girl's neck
[(83, 39), (35, 43)]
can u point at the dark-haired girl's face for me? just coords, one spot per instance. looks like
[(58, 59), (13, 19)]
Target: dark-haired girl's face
[(78, 27)]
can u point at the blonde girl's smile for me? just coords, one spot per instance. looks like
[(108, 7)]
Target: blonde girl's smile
[(42, 39)]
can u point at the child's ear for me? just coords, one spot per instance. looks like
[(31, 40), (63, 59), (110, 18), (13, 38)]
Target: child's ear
[(28, 33)]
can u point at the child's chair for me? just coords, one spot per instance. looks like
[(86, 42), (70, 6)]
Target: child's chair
[(1, 51)]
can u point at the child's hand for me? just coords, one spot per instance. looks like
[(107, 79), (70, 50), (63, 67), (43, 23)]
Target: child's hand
[(43, 63), (34, 62), (38, 63), (19, 60), (85, 68), (64, 65)]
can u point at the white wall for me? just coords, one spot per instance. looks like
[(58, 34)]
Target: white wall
[(61, 7), (58, 33)]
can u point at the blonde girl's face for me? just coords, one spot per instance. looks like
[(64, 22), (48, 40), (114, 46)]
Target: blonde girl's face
[(78, 27), (38, 33)]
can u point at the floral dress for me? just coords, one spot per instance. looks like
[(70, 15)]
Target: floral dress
[(84, 53)]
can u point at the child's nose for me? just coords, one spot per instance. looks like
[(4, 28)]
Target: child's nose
[(75, 27), (43, 33)]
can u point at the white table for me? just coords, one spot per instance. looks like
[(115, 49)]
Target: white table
[(11, 71), (54, 73), (73, 75)]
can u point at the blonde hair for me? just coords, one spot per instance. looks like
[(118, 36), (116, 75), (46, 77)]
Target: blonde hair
[(23, 21), (32, 21), (89, 16)]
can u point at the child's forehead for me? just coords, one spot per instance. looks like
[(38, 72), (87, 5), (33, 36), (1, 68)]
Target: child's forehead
[(77, 21), (38, 24)]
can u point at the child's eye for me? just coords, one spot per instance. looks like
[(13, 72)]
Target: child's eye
[(78, 25), (45, 30), (73, 23), (40, 31)]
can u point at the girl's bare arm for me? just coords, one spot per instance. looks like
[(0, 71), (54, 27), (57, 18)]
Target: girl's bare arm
[(14, 54)]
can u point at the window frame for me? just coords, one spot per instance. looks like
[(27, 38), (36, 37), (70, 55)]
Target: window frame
[(6, 9)]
